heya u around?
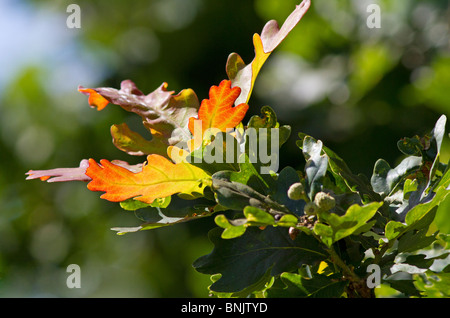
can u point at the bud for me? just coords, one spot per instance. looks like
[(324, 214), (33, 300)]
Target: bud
[(324, 201), (296, 191), (310, 208)]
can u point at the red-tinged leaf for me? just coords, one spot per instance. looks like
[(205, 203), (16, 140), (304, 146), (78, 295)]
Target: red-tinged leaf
[(95, 99), (218, 112), (61, 174), (159, 178), (272, 35), (74, 174), (164, 114)]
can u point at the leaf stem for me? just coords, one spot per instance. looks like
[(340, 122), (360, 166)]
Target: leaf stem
[(340, 263), (357, 287)]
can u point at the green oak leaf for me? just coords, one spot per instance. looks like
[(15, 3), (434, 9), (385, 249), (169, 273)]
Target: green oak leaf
[(177, 211), (384, 179), (243, 261), (433, 285), (421, 215), (345, 180), (133, 205), (316, 166), (252, 217), (333, 227), (317, 286)]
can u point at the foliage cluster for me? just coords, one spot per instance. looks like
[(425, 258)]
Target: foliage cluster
[(310, 233)]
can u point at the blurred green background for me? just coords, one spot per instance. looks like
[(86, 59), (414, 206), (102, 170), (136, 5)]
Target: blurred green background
[(357, 89)]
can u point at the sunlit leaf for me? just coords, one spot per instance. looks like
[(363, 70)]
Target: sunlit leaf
[(164, 114), (433, 285), (74, 174), (95, 99), (272, 35), (159, 178), (61, 174), (333, 227), (218, 112)]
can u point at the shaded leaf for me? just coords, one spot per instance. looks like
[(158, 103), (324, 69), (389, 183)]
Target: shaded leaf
[(263, 138), (236, 190), (319, 286), (134, 144), (410, 146), (177, 211), (422, 170), (247, 174), (133, 205), (279, 190), (345, 179), (268, 119), (243, 261), (423, 261), (415, 240), (403, 282)]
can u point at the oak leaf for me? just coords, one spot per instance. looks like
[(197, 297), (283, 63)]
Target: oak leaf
[(272, 35), (95, 99), (61, 174), (217, 112), (159, 178), (74, 174), (134, 144), (164, 114)]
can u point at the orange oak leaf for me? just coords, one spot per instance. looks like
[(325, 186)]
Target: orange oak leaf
[(218, 112), (159, 178), (95, 99)]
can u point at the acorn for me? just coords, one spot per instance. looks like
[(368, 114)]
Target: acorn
[(324, 201), (296, 191), (310, 208)]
